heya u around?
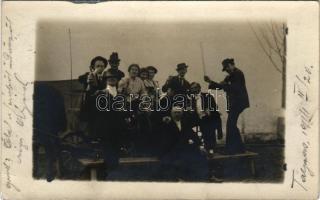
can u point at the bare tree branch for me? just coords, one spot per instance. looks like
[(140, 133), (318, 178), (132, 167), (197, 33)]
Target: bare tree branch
[(268, 42), (276, 41), (279, 33), (269, 55)]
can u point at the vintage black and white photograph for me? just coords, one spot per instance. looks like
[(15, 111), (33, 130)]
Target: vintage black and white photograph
[(173, 102), (159, 100)]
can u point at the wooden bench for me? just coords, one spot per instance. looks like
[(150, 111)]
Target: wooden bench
[(93, 165)]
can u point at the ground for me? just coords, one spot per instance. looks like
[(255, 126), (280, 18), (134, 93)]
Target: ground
[(269, 168)]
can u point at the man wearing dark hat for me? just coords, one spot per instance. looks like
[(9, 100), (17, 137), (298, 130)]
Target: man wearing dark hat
[(114, 62), (235, 86), (178, 84)]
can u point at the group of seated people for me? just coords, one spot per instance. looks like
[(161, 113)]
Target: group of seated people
[(178, 123)]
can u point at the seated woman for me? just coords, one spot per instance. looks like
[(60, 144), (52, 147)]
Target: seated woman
[(132, 87)]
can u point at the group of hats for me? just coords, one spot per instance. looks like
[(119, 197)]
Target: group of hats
[(114, 58), (225, 63), (114, 72)]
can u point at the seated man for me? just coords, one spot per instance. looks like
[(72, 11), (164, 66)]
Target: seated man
[(205, 115), (181, 158)]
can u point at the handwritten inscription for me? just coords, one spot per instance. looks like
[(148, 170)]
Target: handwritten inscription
[(302, 83), (16, 108), (7, 165)]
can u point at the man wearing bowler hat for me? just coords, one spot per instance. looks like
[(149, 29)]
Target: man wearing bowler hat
[(114, 62), (235, 86), (178, 84)]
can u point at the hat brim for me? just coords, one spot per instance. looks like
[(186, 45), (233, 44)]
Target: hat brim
[(111, 77), (152, 68), (112, 60), (184, 67)]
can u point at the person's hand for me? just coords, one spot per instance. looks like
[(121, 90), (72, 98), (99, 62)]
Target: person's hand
[(127, 120), (90, 78), (207, 79), (189, 109), (95, 71), (166, 119), (223, 82)]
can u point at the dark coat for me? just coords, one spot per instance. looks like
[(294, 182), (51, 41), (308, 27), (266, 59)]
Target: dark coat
[(235, 87), (172, 139), (83, 80), (120, 74), (214, 119), (175, 84), (49, 116), (88, 106), (107, 123), (107, 126), (179, 158)]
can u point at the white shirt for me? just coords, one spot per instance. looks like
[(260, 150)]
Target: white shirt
[(112, 90), (178, 123), (199, 110)]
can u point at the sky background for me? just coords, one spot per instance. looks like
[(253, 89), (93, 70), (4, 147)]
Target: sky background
[(164, 45)]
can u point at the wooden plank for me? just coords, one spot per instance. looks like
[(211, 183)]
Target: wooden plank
[(129, 160), (221, 156), (137, 160)]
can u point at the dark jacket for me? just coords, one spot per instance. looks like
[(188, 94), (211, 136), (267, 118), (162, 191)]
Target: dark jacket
[(181, 157), (235, 87), (118, 72), (107, 123), (49, 116), (88, 102), (175, 84), (214, 119), (83, 80), (174, 140)]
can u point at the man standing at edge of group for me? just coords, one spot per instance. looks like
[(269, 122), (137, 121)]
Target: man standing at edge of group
[(235, 87), (114, 62)]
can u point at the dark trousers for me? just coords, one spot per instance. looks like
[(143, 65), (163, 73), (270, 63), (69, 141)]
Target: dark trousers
[(51, 149), (234, 142), (186, 164), (209, 136)]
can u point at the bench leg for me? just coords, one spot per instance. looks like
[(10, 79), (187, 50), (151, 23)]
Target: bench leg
[(253, 166), (93, 173)]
